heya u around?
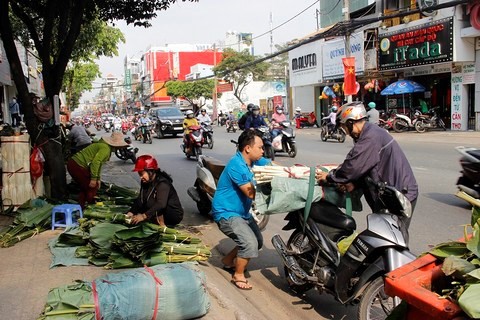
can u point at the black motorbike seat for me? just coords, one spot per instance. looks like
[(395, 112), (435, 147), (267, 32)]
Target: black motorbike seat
[(214, 166), (326, 213), (474, 153)]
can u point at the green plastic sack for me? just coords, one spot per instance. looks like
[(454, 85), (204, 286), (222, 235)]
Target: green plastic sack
[(283, 195)]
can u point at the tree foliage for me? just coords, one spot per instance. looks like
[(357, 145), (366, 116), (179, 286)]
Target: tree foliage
[(191, 90), (54, 28), (78, 79), (238, 68)]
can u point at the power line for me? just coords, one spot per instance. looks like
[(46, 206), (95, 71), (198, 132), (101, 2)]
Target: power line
[(280, 25)]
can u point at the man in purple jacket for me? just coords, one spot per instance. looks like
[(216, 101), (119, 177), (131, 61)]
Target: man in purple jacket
[(375, 154)]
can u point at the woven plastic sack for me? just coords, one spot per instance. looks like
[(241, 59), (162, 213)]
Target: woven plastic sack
[(173, 291), (283, 195)]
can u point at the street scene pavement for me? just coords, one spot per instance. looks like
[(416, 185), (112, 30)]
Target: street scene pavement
[(26, 277)]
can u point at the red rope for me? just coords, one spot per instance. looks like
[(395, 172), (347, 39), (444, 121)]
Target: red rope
[(157, 290), (95, 299)]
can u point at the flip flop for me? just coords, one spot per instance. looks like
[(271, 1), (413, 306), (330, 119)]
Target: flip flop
[(235, 283)]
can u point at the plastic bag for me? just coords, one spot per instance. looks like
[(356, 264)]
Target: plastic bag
[(36, 164)]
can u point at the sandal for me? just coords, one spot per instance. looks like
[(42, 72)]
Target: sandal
[(236, 282)]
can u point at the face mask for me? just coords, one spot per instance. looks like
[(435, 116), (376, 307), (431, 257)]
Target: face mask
[(280, 111), (256, 113), (14, 100)]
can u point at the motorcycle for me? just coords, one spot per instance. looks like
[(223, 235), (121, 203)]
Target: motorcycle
[(125, 127), (127, 153), (117, 126), (107, 125), (207, 135), (336, 134), (285, 141), (98, 125), (312, 259), (194, 142), (232, 126), (307, 121), (264, 133), (429, 121), (386, 120), (208, 172), (469, 183), (402, 122), (146, 135)]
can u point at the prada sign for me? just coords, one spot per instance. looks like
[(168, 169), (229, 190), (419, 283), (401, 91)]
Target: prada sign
[(420, 45)]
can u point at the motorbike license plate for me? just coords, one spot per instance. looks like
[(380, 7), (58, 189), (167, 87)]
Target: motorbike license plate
[(178, 128)]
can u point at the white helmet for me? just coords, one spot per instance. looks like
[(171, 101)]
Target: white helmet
[(298, 109), (353, 111), (189, 113)]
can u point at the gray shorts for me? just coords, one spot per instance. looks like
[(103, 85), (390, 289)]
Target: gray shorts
[(245, 233)]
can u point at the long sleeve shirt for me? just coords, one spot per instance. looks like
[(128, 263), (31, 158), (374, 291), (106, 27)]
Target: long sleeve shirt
[(159, 198), (187, 122), (377, 155), (93, 157), (254, 122)]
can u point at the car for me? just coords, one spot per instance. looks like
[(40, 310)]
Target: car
[(167, 120), (108, 116)]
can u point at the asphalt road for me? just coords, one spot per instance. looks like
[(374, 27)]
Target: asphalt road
[(439, 216)]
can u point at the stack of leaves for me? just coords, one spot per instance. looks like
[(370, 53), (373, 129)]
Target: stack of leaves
[(116, 194), (106, 211), (100, 241), (32, 218), (137, 241), (461, 262)]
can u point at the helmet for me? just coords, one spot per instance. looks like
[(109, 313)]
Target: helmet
[(203, 110), (189, 113), (353, 112), (298, 109), (255, 107), (145, 162), (334, 109), (250, 107), (372, 105)]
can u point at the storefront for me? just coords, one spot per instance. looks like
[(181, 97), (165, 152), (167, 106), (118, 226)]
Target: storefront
[(426, 53)]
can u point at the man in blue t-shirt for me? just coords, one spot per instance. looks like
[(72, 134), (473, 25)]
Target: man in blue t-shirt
[(231, 206)]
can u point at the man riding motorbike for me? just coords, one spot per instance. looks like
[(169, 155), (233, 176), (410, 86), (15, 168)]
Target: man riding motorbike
[(204, 118), (244, 117), (332, 116), (189, 121), (374, 155), (277, 118), (255, 120)]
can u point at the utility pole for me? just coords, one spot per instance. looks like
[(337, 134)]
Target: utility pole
[(215, 113), (271, 33), (346, 12)]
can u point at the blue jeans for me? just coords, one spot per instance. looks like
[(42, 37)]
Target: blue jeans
[(245, 233)]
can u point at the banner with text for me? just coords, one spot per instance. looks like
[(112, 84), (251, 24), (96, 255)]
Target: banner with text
[(333, 51), (419, 45)]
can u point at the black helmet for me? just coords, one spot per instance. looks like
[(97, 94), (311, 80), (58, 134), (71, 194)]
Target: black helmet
[(255, 107), (250, 106)]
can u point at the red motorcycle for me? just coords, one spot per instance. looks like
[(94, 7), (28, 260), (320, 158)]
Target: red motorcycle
[(310, 120), (192, 146)]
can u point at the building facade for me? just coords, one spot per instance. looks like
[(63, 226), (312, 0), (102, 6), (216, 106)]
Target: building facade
[(434, 47)]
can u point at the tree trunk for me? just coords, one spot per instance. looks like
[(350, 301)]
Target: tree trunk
[(54, 164)]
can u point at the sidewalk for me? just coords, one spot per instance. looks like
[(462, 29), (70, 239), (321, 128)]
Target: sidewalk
[(25, 276)]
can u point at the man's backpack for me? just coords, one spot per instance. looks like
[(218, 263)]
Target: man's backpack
[(242, 120)]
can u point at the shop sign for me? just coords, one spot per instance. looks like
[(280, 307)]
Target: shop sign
[(333, 51), (468, 71), (428, 70), (458, 101), (424, 44), (304, 65)]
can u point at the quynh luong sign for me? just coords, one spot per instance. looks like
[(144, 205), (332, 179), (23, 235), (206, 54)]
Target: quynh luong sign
[(424, 44)]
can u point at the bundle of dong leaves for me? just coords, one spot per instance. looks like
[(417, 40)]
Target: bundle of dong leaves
[(35, 215), (107, 240), (461, 263)]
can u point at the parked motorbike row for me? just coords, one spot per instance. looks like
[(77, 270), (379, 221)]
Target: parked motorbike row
[(416, 120)]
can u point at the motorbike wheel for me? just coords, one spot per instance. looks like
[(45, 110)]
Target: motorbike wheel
[(441, 124), (374, 303), (295, 284), (292, 152), (160, 134), (269, 152), (198, 152), (420, 126), (210, 142), (342, 136), (323, 135), (204, 206), (400, 125), (149, 139), (262, 220), (120, 154)]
